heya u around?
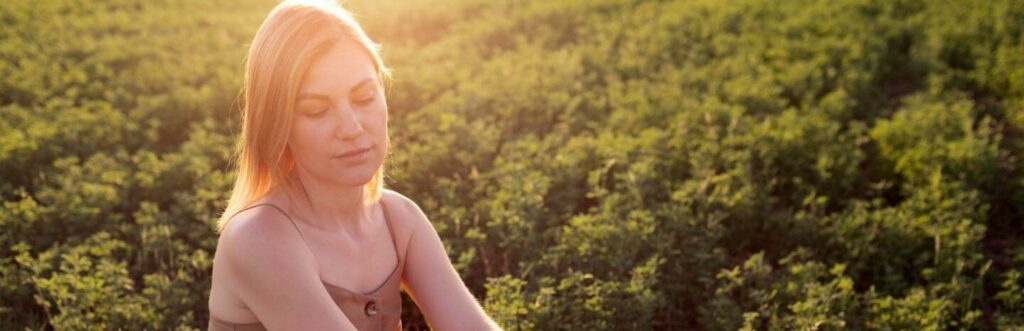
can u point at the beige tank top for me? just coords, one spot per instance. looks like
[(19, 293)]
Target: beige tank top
[(380, 309)]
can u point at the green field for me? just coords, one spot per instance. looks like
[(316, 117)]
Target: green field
[(590, 165)]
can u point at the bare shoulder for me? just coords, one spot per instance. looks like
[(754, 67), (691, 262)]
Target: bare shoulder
[(405, 212), (261, 240), (264, 264)]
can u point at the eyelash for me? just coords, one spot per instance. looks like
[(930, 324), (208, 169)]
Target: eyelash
[(360, 103), (367, 100), (318, 114), (373, 96)]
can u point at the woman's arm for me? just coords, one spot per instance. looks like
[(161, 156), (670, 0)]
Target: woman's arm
[(275, 274), (431, 280)]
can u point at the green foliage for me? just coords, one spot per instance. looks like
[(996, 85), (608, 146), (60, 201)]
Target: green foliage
[(925, 137), (610, 164), (804, 295)]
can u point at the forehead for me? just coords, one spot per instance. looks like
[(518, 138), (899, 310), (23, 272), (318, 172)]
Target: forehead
[(340, 68)]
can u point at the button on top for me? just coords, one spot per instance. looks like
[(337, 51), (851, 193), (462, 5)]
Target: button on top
[(371, 308)]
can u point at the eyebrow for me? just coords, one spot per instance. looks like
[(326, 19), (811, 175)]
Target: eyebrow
[(325, 97)]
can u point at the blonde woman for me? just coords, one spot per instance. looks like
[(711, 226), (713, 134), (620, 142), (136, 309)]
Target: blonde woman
[(310, 240)]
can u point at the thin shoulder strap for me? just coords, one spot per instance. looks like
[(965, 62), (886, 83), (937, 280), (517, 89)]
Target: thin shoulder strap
[(391, 230), (296, 226)]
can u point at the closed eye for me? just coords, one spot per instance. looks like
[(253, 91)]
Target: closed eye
[(318, 114), (366, 98), (365, 101)]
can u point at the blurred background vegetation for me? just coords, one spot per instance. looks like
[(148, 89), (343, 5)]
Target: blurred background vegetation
[(590, 165)]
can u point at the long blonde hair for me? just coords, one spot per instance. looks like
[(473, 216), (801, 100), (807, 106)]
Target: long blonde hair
[(290, 38)]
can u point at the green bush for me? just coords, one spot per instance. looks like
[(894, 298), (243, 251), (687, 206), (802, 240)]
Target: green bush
[(611, 164)]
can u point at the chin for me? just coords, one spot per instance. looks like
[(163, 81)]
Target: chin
[(352, 181), (354, 176), (347, 175)]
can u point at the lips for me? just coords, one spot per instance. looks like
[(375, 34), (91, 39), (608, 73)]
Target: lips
[(354, 153)]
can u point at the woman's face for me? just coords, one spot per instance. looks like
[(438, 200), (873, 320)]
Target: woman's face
[(339, 128)]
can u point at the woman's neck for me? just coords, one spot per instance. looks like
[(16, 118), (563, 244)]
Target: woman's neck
[(324, 205)]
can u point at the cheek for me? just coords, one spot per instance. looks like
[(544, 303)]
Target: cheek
[(296, 136), (378, 117), (302, 137)]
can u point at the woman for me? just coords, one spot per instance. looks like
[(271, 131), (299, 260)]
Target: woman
[(310, 240)]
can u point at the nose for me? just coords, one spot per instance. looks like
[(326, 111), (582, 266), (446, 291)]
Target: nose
[(347, 124)]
